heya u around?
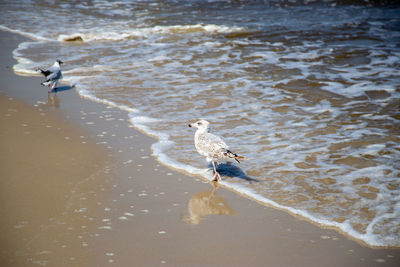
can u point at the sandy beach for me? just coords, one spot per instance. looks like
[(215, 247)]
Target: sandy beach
[(80, 187)]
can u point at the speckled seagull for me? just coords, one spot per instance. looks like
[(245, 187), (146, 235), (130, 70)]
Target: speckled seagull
[(211, 146), (52, 74)]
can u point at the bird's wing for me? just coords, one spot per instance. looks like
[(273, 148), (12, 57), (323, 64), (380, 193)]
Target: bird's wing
[(45, 72), (210, 145), (54, 76), (53, 68), (216, 141)]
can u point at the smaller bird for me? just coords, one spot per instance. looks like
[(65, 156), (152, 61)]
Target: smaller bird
[(211, 146), (52, 74)]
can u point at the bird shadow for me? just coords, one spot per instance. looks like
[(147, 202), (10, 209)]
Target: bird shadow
[(62, 88), (230, 170)]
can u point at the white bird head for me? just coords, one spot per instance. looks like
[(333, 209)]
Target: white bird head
[(59, 61), (201, 125)]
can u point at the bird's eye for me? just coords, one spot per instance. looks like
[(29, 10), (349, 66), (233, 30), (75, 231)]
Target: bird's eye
[(199, 123)]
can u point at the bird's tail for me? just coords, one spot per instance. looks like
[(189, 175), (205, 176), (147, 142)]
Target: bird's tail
[(39, 69), (43, 72), (232, 155)]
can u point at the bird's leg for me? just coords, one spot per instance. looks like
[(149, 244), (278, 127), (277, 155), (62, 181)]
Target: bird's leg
[(54, 85), (217, 177)]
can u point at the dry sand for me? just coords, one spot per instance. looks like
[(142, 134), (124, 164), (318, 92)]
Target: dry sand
[(79, 187)]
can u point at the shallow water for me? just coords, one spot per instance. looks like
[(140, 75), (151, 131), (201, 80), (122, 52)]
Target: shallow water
[(308, 92)]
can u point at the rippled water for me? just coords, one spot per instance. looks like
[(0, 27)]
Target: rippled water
[(308, 91)]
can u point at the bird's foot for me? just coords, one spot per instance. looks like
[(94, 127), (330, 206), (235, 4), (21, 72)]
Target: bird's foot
[(217, 177)]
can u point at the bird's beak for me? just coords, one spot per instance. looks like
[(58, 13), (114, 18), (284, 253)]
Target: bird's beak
[(61, 62)]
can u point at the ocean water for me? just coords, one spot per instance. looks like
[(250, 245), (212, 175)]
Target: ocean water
[(308, 91)]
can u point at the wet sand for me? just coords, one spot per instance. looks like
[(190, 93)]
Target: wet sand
[(45, 162), (87, 192)]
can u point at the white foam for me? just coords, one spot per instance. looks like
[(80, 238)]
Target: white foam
[(208, 28), (101, 35), (369, 237), (24, 66), (86, 94), (97, 36), (95, 68), (159, 58), (24, 33)]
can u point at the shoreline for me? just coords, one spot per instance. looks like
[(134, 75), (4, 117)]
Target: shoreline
[(160, 200)]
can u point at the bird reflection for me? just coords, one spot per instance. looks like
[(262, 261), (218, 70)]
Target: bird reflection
[(53, 100), (206, 203)]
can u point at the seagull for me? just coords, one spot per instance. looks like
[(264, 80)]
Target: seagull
[(52, 74), (211, 146)]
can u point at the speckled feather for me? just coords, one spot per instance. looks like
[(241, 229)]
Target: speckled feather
[(210, 146)]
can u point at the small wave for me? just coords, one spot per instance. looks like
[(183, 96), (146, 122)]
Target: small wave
[(86, 94), (26, 34), (100, 35), (95, 36), (24, 66), (92, 70), (71, 38), (208, 28)]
